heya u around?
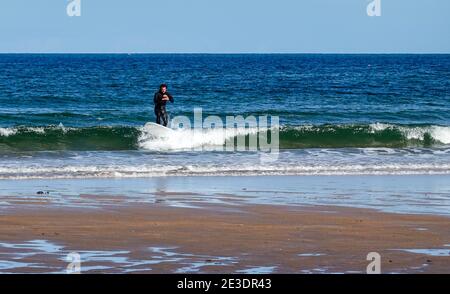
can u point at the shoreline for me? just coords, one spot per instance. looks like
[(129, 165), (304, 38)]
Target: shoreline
[(410, 194)]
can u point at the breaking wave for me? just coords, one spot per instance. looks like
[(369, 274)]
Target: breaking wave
[(110, 138)]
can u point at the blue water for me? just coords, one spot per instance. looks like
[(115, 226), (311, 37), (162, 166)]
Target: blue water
[(92, 90), (83, 115)]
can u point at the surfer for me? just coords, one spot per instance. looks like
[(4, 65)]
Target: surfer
[(160, 100)]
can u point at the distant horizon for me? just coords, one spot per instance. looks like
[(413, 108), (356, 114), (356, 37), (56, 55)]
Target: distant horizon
[(227, 53)]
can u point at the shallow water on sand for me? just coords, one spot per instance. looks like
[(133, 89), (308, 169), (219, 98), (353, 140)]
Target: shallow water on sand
[(402, 194), (46, 257)]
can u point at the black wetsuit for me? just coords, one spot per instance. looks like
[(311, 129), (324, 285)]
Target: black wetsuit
[(160, 108)]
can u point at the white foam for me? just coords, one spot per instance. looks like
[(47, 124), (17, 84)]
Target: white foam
[(442, 134), (6, 132), (376, 127), (39, 130), (438, 133), (187, 139), (237, 169)]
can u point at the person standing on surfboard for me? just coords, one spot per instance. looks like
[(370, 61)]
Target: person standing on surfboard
[(160, 100)]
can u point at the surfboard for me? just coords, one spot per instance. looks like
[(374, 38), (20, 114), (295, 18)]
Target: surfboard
[(158, 130)]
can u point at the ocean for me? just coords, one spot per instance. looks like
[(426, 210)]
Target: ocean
[(83, 115)]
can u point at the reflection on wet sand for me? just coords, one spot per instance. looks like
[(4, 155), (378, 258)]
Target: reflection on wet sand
[(41, 255)]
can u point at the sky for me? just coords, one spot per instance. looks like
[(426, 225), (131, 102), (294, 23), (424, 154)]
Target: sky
[(225, 26)]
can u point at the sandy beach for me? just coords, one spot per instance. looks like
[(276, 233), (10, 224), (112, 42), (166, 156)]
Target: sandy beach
[(121, 236)]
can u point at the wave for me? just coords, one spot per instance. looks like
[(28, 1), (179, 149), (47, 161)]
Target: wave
[(363, 136), (128, 171), (110, 138), (189, 139), (51, 138)]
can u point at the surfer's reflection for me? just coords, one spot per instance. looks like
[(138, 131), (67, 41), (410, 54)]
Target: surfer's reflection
[(161, 190)]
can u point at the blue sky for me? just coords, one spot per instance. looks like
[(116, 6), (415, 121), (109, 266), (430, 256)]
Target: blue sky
[(224, 26)]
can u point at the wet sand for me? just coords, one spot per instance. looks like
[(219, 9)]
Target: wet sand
[(418, 194), (241, 238)]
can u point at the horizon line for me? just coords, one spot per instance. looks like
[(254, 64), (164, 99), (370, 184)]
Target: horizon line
[(239, 53)]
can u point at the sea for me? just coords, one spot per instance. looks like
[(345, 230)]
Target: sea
[(84, 115)]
